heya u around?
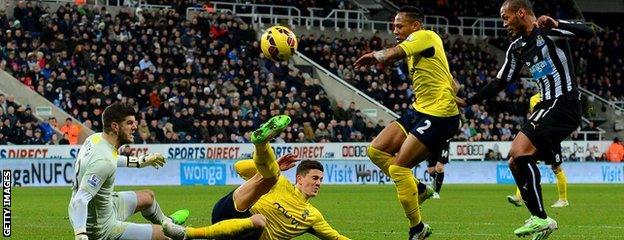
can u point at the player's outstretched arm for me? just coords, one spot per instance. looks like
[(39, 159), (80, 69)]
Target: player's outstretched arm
[(509, 71), (381, 56), (155, 160), (570, 29), (247, 168), (323, 230)]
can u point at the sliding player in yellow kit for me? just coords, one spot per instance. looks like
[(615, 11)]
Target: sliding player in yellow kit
[(421, 132), (562, 180), (284, 209)]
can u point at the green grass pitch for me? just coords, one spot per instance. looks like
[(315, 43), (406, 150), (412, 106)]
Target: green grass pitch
[(366, 211)]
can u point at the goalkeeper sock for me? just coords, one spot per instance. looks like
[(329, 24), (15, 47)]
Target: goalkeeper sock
[(562, 185), (154, 214), (264, 158), (407, 192), (223, 229)]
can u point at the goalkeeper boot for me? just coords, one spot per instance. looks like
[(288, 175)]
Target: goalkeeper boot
[(428, 193), (179, 217), (545, 233), (533, 225), (270, 129), (422, 235), (515, 201), (174, 231)]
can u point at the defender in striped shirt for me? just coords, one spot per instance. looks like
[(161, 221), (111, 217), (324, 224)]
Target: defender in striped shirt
[(542, 45)]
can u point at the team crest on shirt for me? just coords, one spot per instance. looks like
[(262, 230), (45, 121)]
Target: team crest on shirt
[(540, 41), (93, 181), (305, 214)]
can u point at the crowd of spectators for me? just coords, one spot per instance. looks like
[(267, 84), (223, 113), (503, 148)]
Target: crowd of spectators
[(559, 9), (192, 80), (201, 80)]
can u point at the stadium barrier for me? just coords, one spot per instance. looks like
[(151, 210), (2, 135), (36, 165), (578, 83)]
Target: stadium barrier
[(345, 163)]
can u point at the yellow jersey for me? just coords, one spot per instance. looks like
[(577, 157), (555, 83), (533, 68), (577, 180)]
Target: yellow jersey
[(288, 212), (535, 99), (431, 78)]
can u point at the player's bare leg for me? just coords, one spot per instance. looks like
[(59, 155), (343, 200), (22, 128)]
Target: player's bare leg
[(412, 152)]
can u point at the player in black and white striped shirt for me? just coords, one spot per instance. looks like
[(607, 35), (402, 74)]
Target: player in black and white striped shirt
[(541, 44)]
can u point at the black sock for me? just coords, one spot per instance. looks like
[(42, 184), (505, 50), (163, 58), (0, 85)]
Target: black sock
[(527, 176), (438, 181), (421, 187), (416, 229)]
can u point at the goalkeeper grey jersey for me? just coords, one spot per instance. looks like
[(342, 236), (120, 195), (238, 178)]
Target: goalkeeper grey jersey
[(95, 168)]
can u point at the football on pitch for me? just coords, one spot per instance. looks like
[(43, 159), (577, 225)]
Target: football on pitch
[(278, 43)]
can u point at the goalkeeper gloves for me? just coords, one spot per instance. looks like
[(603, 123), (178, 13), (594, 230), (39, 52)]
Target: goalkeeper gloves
[(155, 160)]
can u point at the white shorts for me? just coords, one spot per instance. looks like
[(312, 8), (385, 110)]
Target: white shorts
[(125, 204)]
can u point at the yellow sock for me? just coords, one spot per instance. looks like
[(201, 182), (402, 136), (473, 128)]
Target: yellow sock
[(562, 185), (380, 158), (264, 158), (406, 190), (224, 229), (518, 194)]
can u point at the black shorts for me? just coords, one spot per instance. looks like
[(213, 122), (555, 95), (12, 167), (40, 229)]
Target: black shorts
[(431, 131), (441, 157), (551, 122), (224, 209)]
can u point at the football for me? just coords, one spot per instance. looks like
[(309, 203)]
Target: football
[(278, 43)]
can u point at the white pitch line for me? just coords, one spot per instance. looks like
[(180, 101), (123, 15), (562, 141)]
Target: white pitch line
[(470, 234)]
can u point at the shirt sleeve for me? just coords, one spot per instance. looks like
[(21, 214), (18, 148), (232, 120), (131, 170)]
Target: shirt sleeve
[(416, 43), (323, 230), (511, 67), (572, 29), (96, 173)]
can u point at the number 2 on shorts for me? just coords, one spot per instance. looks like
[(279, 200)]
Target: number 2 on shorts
[(422, 129)]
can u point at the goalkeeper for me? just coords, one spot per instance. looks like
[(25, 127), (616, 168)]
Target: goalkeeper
[(98, 212)]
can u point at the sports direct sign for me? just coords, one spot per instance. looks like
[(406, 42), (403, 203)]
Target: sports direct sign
[(317, 151), (345, 163)]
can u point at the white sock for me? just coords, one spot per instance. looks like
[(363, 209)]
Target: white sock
[(154, 214)]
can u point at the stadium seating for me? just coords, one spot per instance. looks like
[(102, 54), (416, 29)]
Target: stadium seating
[(199, 80)]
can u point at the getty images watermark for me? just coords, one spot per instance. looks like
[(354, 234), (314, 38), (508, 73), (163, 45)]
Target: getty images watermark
[(6, 203)]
